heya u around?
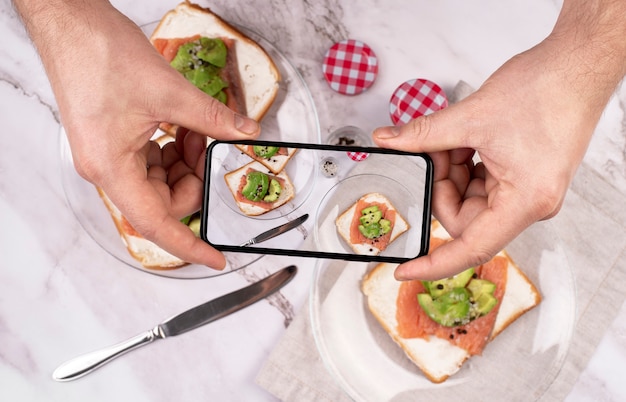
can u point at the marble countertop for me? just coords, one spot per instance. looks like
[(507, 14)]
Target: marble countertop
[(61, 294)]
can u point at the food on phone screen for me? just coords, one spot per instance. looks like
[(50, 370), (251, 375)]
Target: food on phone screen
[(272, 157), (257, 191), (371, 224)]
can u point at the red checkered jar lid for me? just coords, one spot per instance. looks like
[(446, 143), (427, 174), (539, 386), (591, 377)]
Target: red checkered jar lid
[(350, 67), (415, 98)]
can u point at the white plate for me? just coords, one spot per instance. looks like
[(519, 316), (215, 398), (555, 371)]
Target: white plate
[(292, 118), (520, 364)]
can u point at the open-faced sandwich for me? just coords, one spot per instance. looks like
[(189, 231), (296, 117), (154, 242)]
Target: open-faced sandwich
[(257, 191), (218, 58), (371, 224), (224, 63), (440, 324), (272, 157)]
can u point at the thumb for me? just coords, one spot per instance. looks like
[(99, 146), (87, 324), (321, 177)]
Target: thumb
[(439, 131), (193, 109)]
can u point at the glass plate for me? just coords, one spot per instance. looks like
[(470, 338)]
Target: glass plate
[(301, 169), (292, 117), (345, 193), (520, 364)]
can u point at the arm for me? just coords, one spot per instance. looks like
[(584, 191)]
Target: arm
[(530, 124), (113, 89)]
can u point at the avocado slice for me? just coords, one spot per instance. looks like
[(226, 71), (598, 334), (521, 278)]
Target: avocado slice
[(442, 286), (485, 303), (201, 61), (370, 210), (264, 151), (256, 186), (371, 231), (450, 309), (385, 226), (482, 292), (370, 218), (194, 225), (273, 192), (479, 286)]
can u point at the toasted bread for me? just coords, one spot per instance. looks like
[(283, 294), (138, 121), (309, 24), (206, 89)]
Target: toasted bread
[(233, 180), (275, 163), (258, 74), (438, 358), (344, 223)]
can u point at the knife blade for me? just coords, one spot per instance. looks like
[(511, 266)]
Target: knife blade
[(179, 324), (278, 230)]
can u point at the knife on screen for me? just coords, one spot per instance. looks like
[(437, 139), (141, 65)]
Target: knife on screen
[(179, 324), (278, 230)]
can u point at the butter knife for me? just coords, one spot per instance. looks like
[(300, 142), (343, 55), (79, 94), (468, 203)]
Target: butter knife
[(278, 230), (179, 324)]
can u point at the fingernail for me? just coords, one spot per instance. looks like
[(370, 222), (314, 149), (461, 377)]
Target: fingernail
[(246, 125), (387, 132), (400, 274)]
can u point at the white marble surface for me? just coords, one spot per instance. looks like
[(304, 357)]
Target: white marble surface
[(62, 295)]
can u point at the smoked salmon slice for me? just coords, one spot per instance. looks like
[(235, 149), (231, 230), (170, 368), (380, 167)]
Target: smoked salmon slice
[(356, 237), (413, 322)]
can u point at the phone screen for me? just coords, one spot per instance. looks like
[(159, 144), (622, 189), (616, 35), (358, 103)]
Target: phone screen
[(363, 204)]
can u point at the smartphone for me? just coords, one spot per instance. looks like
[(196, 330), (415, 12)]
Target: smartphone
[(363, 203)]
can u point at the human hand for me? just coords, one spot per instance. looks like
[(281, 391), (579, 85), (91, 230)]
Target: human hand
[(503, 157), (113, 89)]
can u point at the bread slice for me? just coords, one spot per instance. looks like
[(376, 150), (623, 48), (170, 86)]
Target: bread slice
[(437, 358), (233, 180), (344, 222), (259, 76), (275, 163)]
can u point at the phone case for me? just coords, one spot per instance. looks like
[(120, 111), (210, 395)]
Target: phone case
[(363, 204)]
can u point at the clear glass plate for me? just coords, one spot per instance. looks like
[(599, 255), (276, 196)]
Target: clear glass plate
[(301, 169), (345, 193), (520, 364), (292, 117)]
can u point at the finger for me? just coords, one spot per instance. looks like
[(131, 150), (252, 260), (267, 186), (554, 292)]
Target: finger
[(146, 212), (187, 106), (440, 131), (154, 154), (176, 238), (481, 241), (157, 173), (186, 196), (194, 148)]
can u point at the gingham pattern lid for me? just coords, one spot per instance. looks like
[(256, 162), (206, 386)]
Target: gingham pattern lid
[(415, 98), (350, 67), (358, 156)]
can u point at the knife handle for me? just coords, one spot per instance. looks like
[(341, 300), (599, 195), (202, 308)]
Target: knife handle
[(84, 364)]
